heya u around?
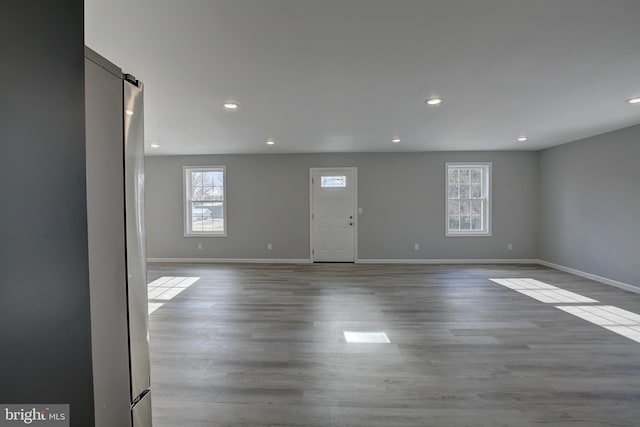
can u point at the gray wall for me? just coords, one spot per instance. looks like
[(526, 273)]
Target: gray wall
[(45, 354), (590, 205), (402, 195)]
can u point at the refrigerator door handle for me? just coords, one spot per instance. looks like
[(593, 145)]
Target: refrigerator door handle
[(140, 397)]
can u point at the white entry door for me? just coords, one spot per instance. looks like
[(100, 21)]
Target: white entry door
[(333, 214)]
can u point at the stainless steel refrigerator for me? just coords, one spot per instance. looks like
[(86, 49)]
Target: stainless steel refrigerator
[(114, 118)]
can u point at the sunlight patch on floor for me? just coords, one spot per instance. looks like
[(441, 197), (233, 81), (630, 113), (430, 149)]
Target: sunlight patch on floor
[(153, 306), (352, 337), (623, 322), (166, 288), (615, 319), (541, 291)]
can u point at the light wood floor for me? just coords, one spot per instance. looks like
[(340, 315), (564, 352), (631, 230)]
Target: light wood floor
[(258, 345)]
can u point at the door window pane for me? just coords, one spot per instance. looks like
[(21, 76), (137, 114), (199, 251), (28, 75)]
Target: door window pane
[(333, 181)]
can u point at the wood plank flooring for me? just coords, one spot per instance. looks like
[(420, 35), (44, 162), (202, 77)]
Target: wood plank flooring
[(263, 345)]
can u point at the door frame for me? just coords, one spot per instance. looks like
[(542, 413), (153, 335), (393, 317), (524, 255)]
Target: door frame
[(355, 208)]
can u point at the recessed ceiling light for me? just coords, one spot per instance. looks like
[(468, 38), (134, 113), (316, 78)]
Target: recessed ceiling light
[(635, 100), (522, 138), (129, 112), (155, 145), (230, 105), (434, 101), (395, 140), (270, 142)]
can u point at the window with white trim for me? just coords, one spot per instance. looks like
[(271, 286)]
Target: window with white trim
[(468, 199), (205, 201)]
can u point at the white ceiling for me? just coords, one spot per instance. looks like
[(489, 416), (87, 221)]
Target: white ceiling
[(348, 75)]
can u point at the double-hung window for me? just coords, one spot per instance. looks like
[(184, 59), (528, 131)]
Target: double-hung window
[(468, 204), (205, 201)]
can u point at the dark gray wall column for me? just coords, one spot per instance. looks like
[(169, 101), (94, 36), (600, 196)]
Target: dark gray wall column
[(45, 354)]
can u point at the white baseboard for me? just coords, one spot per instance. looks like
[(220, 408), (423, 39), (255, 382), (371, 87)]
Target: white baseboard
[(446, 261), (590, 276), (358, 261), (229, 260)]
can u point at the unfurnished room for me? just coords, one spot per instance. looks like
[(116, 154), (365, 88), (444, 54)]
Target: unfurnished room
[(320, 213)]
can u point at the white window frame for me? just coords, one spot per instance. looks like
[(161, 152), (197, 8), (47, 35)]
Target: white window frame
[(487, 196), (186, 188)]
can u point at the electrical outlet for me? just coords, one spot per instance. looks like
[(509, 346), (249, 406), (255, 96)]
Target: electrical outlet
[(509, 246), (199, 246), (269, 246), (416, 247)]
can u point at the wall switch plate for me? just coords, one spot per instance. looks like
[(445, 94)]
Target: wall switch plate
[(269, 246), (416, 247), (509, 246), (359, 210)]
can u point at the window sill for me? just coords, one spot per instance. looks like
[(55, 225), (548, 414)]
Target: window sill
[(467, 234), (204, 235)]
